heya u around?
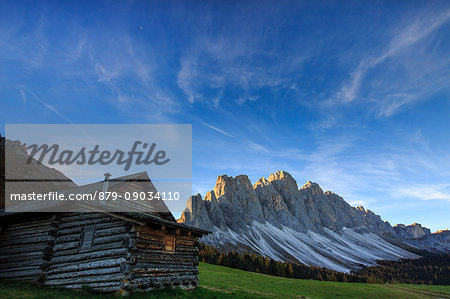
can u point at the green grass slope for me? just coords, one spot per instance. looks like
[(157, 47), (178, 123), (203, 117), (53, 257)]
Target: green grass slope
[(225, 279), (223, 282)]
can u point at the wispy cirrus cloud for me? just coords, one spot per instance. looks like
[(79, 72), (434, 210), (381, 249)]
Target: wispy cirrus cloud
[(423, 26), (233, 68), (426, 191), (217, 129)]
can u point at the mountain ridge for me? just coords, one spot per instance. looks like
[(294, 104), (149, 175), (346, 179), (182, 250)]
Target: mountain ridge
[(276, 218)]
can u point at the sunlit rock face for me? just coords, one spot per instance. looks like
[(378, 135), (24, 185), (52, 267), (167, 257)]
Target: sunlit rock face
[(421, 237), (412, 231), (276, 218)]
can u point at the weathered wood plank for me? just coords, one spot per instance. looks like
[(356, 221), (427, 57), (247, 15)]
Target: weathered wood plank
[(150, 237), (83, 273), (20, 249), (98, 227), (118, 252), (23, 272), (164, 270), (82, 216), (143, 251), (115, 245), (69, 231), (66, 246), (110, 239), (27, 263), (30, 232), (101, 286), (85, 266), (163, 263), (106, 232), (40, 239), (67, 238), (184, 242), (14, 257), (85, 222), (154, 280), (107, 277), (164, 257)]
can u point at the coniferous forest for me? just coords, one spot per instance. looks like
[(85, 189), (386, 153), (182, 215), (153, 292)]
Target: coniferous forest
[(430, 269)]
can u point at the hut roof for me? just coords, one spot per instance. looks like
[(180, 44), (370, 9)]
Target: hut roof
[(153, 211)]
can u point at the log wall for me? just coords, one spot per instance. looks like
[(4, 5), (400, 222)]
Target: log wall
[(89, 249), (152, 266), (103, 252), (26, 247)]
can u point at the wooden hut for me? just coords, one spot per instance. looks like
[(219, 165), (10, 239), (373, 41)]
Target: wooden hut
[(107, 251)]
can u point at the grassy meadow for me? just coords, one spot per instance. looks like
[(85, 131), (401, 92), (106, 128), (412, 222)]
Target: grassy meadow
[(223, 282)]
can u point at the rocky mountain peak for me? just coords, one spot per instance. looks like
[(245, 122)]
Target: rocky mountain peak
[(412, 231), (283, 182), (243, 215), (312, 187), (360, 208), (226, 184), (261, 182)]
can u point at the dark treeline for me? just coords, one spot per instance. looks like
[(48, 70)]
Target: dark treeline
[(433, 269)]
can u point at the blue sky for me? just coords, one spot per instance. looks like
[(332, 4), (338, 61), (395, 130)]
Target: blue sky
[(353, 95)]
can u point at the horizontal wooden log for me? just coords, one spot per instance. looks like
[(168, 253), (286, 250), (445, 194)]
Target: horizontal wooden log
[(114, 245), (82, 216), (146, 250), (67, 238), (163, 271), (150, 237), (162, 263), (39, 239), (184, 242), (182, 248), (106, 232), (14, 257), (97, 240), (98, 227), (109, 253), (144, 242), (20, 268), (160, 281), (83, 273), (69, 231), (85, 266), (157, 231), (28, 232), (107, 277), (173, 274), (28, 272), (164, 266), (26, 263), (191, 261), (66, 246), (20, 249), (163, 257), (85, 222), (110, 239), (98, 286), (28, 228)]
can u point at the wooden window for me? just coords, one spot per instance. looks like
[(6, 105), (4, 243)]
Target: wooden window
[(87, 238), (169, 244)]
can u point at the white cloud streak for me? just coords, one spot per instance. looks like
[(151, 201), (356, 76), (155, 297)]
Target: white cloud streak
[(407, 36), (217, 129)]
